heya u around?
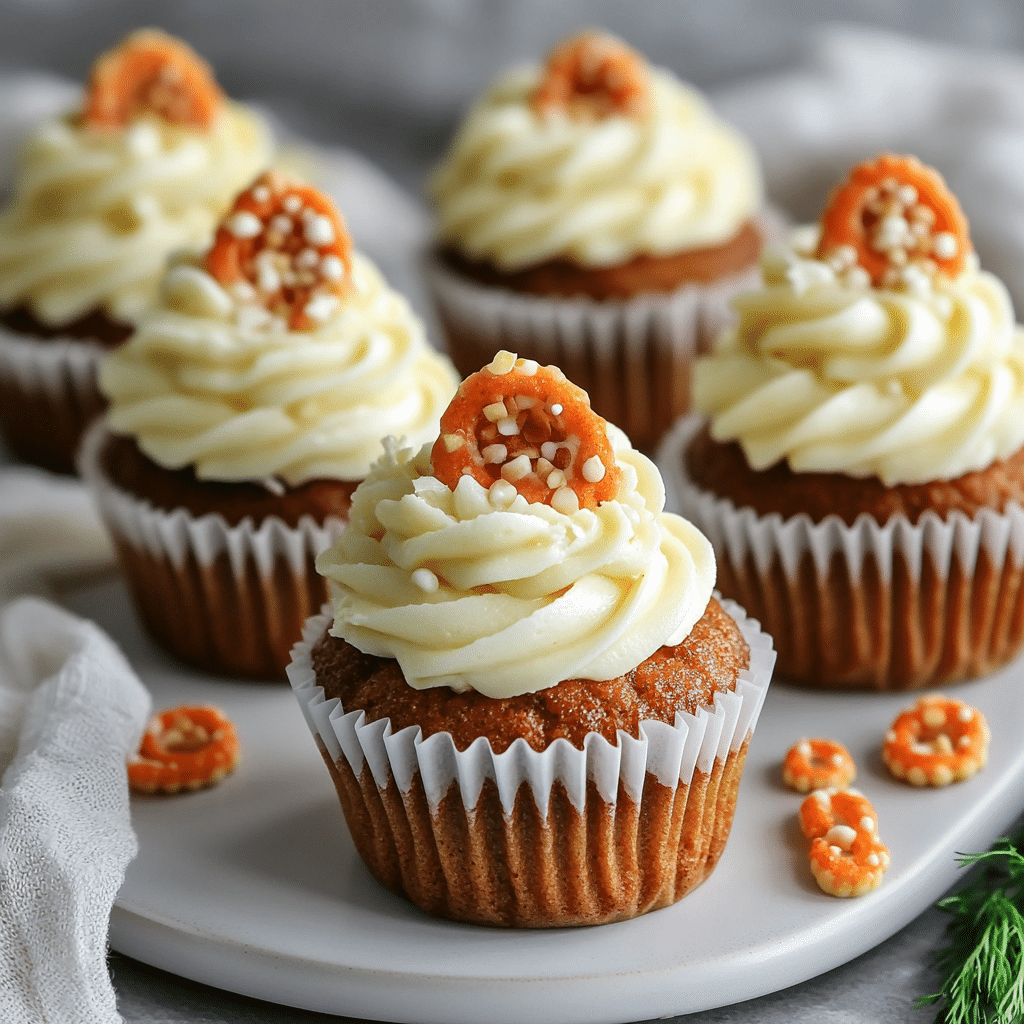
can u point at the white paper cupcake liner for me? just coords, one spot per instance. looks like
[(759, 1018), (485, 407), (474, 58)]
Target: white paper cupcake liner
[(965, 570), (49, 396), (672, 753), (633, 356), (224, 597)]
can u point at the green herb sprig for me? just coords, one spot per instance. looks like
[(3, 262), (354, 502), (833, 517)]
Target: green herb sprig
[(982, 966)]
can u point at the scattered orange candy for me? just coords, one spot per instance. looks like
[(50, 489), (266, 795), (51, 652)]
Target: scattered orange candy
[(818, 764), (151, 72), (938, 741), (847, 857), (526, 424), (183, 749), (593, 74), (892, 213), (285, 244)]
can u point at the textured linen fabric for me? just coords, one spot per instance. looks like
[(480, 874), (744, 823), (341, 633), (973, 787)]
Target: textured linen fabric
[(65, 834)]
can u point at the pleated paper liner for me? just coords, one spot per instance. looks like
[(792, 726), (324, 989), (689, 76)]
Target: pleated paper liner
[(632, 356), (548, 838), (48, 397), (874, 606), (225, 599)]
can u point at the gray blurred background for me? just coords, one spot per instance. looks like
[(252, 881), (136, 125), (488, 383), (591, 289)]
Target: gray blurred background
[(389, 77)]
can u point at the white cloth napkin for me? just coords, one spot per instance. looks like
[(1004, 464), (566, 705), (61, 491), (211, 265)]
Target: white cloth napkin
[(64, 687)]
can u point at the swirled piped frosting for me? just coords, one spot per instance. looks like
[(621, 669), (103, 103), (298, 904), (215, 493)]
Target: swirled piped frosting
[(95, 214), (519, 186), (211, 381), (834, 375), (479, 588)]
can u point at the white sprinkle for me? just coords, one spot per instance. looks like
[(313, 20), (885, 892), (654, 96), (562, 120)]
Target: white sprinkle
[(525, 402), (321, 308), (268, 279), (502, 363), (872, 859), (495, 411), (527, 367), (548, 449), (508, 427), (281, 223), (331, 268), (453, 442), (965, 714), (837, 759), (292, 203), (964, 741), (261, 194), (890, 737), (243, 291), (556, 409), (867, 823), (244, 224), (495, 454), (907, 195), (835, 851), (425, 580), (934, 717), (555, 479), (307, 259), (516, 469), (593, 469), (319, 230), (841, 836), (944, 245), (564, 500)]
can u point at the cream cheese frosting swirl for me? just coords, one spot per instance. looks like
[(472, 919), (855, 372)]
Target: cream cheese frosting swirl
[(210, 380), (520, 187), (95, 214), (479, 588), (833, 375)]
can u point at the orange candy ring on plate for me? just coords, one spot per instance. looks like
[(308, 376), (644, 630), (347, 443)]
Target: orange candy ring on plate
[(284, 247), (938, 741), (593, 74), (529, 426), (847, 857), (818, 764), (151, 72), (894, 216), (182, 749)]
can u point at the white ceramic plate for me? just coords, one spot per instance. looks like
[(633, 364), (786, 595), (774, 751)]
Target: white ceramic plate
[(254, 886)]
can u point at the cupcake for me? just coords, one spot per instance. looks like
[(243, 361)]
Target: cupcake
[(861, 471), (595, 213), (244, 410), (534, 711), (145, 167)]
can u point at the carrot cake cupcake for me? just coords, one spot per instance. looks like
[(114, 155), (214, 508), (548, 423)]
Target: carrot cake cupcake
[(861, 471), (595, 213), (245, 408), (533, 709), (103, 195)]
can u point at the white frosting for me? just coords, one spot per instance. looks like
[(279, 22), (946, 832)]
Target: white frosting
[(210, 381), (833, 375), (467, 589), (95, 214), (519, 187)]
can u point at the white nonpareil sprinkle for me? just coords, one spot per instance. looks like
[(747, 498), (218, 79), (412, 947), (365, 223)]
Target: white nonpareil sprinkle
[(268, 279), (965, 714), (508, 427), (244, 224), (593, 469), (321, 308), (281, 223), (425, 580), (319, 230), (556, 479), (556, 409), (292, 204), (495, 454), (841, 836), (261, 194), (331, 268), (564, 500), (944, 245), (867, 823), (872, 859), (307, 259)]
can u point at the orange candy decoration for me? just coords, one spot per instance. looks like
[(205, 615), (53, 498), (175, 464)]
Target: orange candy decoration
[(183, 749), (526, 424), (893, 213), (593, 74), (847, 857), (151, 72), (818, 764), (285, 244), (938, 741)]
